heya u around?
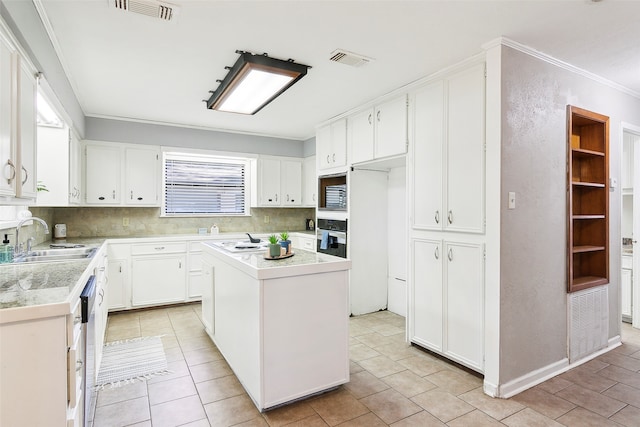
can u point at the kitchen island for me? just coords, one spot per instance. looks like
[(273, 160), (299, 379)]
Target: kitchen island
[(282, 325)]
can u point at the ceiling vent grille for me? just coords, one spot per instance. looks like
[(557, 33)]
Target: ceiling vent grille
[(154, 9), (349, 58)]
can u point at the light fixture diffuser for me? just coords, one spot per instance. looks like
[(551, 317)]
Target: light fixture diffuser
[(253, 82)]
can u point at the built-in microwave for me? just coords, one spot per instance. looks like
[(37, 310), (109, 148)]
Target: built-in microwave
[(332, 190)]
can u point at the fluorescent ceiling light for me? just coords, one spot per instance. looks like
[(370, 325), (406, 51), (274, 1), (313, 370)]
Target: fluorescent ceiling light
[(46, 116), (253, 82)]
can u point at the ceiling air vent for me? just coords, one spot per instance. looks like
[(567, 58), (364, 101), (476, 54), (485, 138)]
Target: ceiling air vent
[(154, 9), (349, 58)]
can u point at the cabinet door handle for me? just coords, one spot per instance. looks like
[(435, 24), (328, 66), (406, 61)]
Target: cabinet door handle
[(276, 197), (328, 161), (179, 264), (101, 198), (287, 197), (26, 175), (436, 253), (114, 194), (13, 171), (131, 194), (370, 119), (437, 217), (313, 197), (378, 116), (139, 198), (159, 248), (450, 254), (450, 217)]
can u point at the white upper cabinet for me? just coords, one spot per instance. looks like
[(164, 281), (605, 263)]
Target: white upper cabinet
[(142, 170), (309, 182), (26, 172), (448, 156), (75, 169), (18, 88), (104, 177), (331, 145), (291, 182), (360, 136), (102, 174), (279, 182), (378, 132)]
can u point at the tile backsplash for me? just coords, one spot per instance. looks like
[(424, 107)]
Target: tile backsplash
[(108, 222)]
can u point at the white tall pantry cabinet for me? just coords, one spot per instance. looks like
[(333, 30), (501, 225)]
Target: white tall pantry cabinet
[(447, 216)]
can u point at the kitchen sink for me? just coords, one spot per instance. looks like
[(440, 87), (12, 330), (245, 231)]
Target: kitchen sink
[(51, 255)]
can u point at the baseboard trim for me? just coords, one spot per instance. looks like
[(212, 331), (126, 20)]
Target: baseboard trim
[(538, 376)]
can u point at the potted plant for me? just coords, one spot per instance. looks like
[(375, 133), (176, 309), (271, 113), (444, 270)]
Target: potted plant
[(274, 247), (285, 242)]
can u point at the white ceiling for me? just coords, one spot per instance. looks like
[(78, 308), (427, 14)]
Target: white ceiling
[(129, 66)]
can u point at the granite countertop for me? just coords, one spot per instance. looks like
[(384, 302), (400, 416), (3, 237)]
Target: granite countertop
[(51, 287)]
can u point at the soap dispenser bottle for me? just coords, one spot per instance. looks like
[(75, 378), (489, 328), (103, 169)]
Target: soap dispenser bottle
[(6, 251)]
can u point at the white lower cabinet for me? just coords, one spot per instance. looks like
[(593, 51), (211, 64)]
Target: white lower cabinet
[(208, 291), (195, 279), (158, 273), (447, 304)]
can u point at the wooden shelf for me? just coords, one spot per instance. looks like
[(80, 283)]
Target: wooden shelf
[(588, 282), (580, 217), (583, 152), (587, 184), (587, 199), (587, 248)]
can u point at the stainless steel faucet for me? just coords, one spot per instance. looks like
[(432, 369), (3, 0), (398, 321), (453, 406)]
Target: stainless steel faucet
[(18, 248)]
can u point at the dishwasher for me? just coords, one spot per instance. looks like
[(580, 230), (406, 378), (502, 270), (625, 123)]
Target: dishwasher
[(87, 299)]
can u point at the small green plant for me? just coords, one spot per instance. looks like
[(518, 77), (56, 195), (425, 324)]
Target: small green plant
[(40, 186), (273, 239), (284, 236)]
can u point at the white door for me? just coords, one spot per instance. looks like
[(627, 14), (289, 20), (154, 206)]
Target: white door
[(103, 175), (142, 172), (360, 139), (158, 279), (7, 145), (309, 182), (426, 310), (269, 182), (635, 290), (291, 182), (428, 137), (391, 128), (397, 241), (464, 303), (27, 134), (464, 196)]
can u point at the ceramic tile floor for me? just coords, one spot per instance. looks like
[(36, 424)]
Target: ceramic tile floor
[(391, 384)]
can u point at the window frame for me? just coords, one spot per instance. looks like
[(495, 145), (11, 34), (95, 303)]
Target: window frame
[(213, 158)]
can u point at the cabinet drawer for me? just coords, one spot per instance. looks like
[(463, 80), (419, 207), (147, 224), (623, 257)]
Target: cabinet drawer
[(158, 248), (627, 262)]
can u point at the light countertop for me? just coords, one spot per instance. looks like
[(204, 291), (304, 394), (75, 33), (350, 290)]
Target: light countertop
[(34, 290), (302, 262)]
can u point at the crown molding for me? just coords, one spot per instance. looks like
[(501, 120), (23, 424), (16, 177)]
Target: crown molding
[(504, 41)]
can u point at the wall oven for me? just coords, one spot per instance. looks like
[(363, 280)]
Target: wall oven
[(332, 237)]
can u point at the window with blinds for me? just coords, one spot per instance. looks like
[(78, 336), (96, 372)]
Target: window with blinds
[(196, 186)]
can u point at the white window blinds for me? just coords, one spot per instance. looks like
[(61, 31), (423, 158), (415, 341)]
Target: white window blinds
[(204, 186)]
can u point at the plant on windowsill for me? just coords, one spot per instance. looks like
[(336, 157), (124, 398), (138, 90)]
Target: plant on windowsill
[(274, 247), (285, 242)]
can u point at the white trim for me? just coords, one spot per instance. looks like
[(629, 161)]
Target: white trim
[(538, 376), (561, 64)]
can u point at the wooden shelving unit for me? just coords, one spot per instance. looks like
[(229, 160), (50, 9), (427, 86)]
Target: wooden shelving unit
[(587, 199)]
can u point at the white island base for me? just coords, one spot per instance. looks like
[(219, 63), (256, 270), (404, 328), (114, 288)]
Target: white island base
[(281, 325)]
